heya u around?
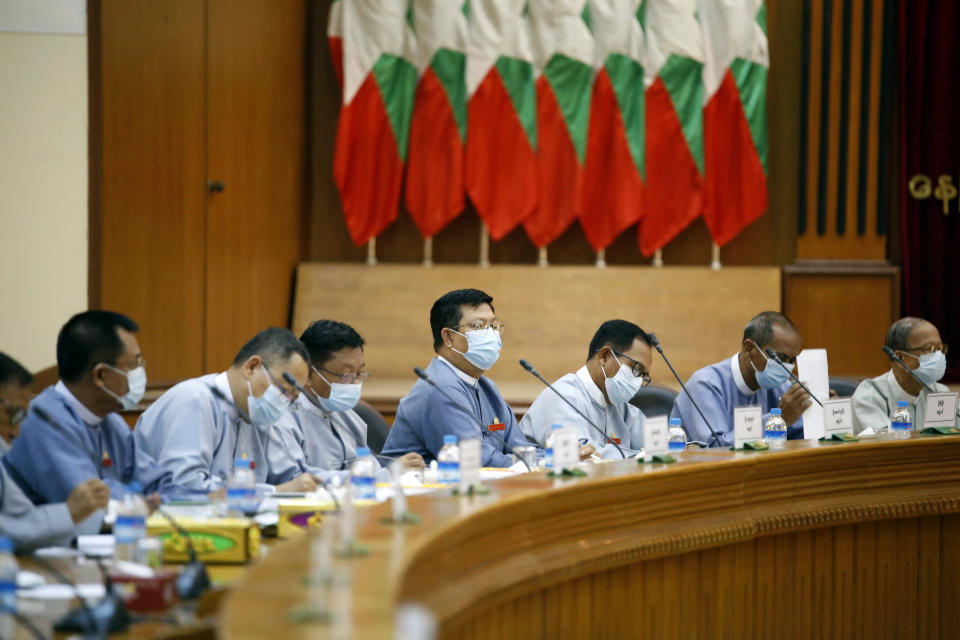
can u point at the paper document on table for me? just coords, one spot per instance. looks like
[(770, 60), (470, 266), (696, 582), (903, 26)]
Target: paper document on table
[(63, 592), (812, 372)]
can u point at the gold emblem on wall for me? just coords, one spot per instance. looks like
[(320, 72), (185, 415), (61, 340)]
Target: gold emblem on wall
[(921, 188)]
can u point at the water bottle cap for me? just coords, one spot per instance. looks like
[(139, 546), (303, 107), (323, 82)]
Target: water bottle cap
[(554, 427), (363, 451), (449, 439), (6, 544), (901, 403), (775, 412), (243, 463), (674, 422)]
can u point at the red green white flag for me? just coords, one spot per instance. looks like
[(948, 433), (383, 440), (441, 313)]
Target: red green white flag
[(501, 163), (379, 82), (674, 114), (735, 116), (613, 179), (434, 192), (563, 53)]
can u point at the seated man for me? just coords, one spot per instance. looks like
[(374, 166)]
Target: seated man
[(101, 371), (917, 342), (15, 397), (618, 364), (198, 434), (466, 338), (748, 379), (325, 438)]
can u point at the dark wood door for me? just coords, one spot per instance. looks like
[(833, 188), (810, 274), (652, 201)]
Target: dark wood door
[(256, 147), (147, 170)]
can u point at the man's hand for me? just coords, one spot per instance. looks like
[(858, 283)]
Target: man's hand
[(586, 450), (304, 483), (86, 498), (793, 403), (412, 460), (153, 502)]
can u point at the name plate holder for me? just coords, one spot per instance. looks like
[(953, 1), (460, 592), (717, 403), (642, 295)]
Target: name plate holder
[(401, 514), (940, 415), (656, 446), (470, 458), (748, 429), (566, 453), (838, 420)]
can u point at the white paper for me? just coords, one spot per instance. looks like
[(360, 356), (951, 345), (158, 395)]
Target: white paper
[(96, 545), (63, 592), (747, 425), (566, 448), (813, 373), (469, 462), (655, 436), (837, 416), (941, 410)]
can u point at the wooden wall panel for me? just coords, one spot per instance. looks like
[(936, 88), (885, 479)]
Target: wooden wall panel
[(147, 175), (257, 135)]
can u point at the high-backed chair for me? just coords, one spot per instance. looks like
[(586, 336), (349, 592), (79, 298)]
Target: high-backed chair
[(654, 400), (844, 386), (377, 427)]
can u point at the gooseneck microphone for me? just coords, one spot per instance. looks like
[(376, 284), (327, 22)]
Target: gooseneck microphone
[(656, 345), (483, 428), (529, 367), (193, 579), (773, 354), (107, 616), (220, 395)]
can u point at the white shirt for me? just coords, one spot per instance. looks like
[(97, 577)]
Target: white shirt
[(466, 377), (738, 380)]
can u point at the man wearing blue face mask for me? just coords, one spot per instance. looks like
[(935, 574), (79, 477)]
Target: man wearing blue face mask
[(917, 342), (747, 379), (323, 432), (198, 434), (101, 372), (466, 338)]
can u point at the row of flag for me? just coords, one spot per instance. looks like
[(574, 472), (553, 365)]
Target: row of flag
[(543, 112)]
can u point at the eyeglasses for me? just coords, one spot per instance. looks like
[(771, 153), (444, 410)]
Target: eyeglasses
[(15, 414), (345, 378), (290, 394), (480, 325), (928, 349), (636, 369)]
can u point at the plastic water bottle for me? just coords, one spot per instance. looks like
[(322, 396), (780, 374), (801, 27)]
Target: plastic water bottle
[(8, 587), (775, 431), (131, 525), (448, 461), (900, 422), (548, 450), (363, 475), (676, 436), (242, 489)]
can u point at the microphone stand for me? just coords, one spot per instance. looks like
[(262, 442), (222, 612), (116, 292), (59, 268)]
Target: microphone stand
[(773, 354)]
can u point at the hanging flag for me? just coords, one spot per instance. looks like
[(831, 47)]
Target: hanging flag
[(379, 82), (335, 38), (735, 116), (673, 194), (501, 166), (434, 189), (563, 53), (612, 198)]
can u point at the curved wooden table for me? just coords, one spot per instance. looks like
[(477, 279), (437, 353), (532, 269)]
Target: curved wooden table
[(818, 540)]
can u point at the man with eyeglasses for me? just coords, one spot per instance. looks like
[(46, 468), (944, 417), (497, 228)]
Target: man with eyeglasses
[(198, 433), (101, 372), (917, 342), (748, 379), (617, 366), (466, 339), (15, 397), (325, 438)]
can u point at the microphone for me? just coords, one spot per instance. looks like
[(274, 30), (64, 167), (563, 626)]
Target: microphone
[(483, 428), (223, 398), (656, 345), (893, 356), (299, 387), (773, 354), (193, 579), (529, 367), (107, 616)]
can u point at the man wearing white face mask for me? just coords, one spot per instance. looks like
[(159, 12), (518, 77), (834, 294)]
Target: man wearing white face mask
[(749, 378), (917, 342), (618, 365), (325, 438), (101, 372), (199, 434), (466, 338)]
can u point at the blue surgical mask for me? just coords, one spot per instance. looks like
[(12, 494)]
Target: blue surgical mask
[(623, 385), (136, 387), (932, 367), (772, 376), (343, 397), (483, 347), (269, 407)]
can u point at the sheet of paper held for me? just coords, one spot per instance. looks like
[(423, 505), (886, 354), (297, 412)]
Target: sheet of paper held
[(812, 372)]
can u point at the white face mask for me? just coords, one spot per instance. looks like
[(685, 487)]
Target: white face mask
[(623, 385), (136, 387), (269, 407)]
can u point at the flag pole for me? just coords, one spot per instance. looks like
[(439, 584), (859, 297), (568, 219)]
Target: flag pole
[(601, 258), (658, 258), (372, 252), (715, 256), (484, 245), (428, 251), (542, 258)]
